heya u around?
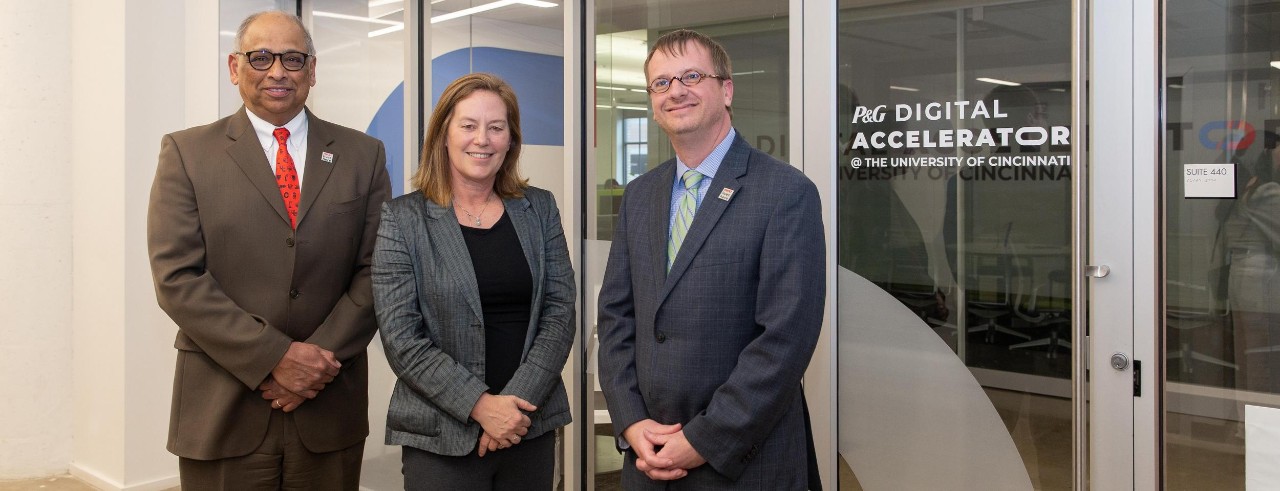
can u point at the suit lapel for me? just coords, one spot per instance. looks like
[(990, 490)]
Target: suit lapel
[(526, 229), (712, 208), (246, 151), (443, 228), (529, 230), (319, 142), (658, 201)]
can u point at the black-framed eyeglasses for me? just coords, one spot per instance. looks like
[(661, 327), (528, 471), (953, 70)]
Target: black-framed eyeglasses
[(689, 79), (262, 59)]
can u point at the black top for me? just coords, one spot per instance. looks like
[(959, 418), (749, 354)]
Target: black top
[(506, 292)]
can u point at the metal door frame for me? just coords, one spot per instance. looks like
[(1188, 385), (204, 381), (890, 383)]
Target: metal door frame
[(1120, 200)]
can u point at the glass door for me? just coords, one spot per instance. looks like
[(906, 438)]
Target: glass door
[(957, 357), (624, 142), (948, 141), (1221, 302)]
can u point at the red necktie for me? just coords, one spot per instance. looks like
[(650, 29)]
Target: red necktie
[(287, 177)]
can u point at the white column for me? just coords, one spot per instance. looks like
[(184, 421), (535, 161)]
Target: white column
[(139, 69), (97, 150)]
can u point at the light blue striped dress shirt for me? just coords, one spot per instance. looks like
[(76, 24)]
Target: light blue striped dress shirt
[(708, 169)]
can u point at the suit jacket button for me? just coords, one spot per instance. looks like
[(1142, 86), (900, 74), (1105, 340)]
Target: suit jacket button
[(294, 293), (661, 336), (288, 242)]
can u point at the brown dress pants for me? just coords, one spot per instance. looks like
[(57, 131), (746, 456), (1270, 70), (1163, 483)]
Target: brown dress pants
[(281, 463)]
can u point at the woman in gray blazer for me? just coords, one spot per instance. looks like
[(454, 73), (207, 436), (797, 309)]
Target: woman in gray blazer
[(474, 296)]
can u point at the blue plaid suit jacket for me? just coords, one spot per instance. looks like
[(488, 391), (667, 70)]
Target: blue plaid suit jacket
[(720, 343)]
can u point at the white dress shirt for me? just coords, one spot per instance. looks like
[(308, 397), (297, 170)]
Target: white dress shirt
[(297, 142)]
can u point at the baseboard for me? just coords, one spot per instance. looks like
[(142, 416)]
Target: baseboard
[(96, 479)]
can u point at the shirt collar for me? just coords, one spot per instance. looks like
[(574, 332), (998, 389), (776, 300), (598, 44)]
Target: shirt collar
[(711, 164), (297, 127)]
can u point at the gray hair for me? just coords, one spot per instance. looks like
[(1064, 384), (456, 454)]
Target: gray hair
[(244, 26)]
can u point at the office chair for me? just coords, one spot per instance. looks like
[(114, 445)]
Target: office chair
[(910, 282), (993, 300), (1183, 322), (1050, 317)]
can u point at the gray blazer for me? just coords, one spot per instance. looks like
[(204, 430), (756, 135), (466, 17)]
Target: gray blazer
[(428, 309), (720, 343)]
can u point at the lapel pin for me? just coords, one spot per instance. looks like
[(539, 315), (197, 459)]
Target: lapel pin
[(725, 194), (326, 157)]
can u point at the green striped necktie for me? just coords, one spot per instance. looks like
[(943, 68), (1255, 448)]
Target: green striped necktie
[(684, 215)]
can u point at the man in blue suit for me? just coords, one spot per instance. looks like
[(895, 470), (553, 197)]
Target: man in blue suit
[(713, 296)]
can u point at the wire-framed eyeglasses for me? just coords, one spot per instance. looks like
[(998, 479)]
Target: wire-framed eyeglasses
[(689, 79), (262, 59)]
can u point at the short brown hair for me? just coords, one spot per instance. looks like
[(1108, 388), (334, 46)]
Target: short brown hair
[(673, 44), (432, 176)]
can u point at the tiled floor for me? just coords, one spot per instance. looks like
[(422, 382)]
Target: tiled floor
[(1202, 453), (382, 473), (55, 483)]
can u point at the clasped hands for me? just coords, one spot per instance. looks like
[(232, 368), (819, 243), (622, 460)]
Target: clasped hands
[(503, 419), (675, 458), (300, 375)]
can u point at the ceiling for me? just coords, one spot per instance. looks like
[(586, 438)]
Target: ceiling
[(1013, 35)]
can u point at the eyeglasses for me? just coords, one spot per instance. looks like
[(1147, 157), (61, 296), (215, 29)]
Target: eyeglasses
[(689, 79), (262, 59)]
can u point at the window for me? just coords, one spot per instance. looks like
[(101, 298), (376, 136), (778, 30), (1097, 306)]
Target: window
[(634, 149)]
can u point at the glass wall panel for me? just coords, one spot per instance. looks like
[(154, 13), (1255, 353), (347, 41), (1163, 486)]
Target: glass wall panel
[(522, 43), (1221, 212), (626, 142), (954, 245), (360, 72)]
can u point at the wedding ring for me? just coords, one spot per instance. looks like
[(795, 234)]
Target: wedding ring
[(276, 404)]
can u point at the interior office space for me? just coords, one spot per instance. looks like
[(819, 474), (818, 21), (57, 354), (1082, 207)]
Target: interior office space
[(1038, 216)]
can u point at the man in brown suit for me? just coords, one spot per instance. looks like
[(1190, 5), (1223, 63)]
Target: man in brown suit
[(267, 277)]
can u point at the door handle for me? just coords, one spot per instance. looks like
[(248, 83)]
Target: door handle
[(1099, 271)]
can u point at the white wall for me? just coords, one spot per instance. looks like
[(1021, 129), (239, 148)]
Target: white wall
[(35, 247)]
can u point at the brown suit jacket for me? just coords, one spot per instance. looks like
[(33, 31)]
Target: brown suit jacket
[(241, 284)]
